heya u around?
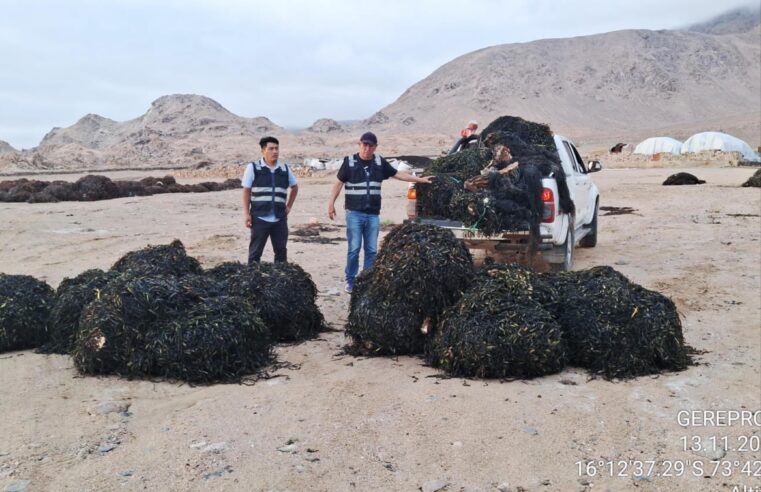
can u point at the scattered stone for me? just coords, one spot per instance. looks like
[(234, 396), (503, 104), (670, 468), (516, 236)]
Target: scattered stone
[(531, 431), (503, 487), (126, 473), (218, 473), (300, 468), (434, 486), (216, 447), (197, 445), (107, 407), (642, 478), (289, 448), (457, 444), (164, 429), (106, 448), (17, 485), (711, 450)]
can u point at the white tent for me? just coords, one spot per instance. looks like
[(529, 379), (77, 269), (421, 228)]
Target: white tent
[(658, 145), (719, 141)]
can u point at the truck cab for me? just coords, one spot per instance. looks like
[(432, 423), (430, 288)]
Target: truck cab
[(559, 232)]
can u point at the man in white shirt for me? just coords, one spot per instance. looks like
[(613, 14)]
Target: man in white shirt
[(267, 202)]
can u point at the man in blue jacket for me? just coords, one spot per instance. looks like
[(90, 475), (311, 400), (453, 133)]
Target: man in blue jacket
[(267, 202), (362, 174)]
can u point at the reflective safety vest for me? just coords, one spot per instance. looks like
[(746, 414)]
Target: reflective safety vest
[(363, 188), (269, 190)]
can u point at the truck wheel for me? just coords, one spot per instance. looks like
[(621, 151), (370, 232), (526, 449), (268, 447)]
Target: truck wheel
[(567, 248), (590, 240)]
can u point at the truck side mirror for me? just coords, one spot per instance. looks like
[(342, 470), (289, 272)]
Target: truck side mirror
[(595, 166)]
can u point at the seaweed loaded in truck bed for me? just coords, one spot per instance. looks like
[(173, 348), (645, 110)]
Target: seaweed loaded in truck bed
[(521, 191)]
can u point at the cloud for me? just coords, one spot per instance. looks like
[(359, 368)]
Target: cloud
[(293, 61)]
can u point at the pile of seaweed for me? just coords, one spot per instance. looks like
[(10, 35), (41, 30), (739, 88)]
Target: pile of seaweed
[(515, 323), (450, 172), (283, 293), (498, 330), (502, 200), (165, 259), (682, 179), (312, 233), (419, 271), (461, 165), (25, 304), (71, 297), (165, 317), (615, 327), (422, 297), (93, 188), (754, 181), (156, 313), (534, 134), (172, 328)]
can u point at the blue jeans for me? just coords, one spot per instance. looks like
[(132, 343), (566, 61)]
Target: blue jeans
[(361, 228)]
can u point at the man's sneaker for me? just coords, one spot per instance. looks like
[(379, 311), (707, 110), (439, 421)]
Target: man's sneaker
[(349, 285)]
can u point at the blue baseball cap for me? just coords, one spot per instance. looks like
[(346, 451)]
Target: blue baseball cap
[(369, 138)]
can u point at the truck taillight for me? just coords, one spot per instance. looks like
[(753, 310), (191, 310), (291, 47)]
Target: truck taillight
[(411, 202), (548, 198)]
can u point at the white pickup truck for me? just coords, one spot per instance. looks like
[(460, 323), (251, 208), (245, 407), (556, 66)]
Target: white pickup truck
[(559, 232)]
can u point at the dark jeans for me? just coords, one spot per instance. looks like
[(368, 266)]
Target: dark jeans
[(260, 231)]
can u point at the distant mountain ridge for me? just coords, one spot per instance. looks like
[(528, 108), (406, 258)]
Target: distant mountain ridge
[(604, 84), (178, 115)]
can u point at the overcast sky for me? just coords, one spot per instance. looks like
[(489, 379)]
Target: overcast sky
[(292, 61)]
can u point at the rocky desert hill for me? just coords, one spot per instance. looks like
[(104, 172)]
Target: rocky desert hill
[(617, 84), (5, 147), (326, 125), (177, 116), (598, 90), (177, 130)]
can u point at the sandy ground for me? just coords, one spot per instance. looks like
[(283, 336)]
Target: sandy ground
[(393, 424)]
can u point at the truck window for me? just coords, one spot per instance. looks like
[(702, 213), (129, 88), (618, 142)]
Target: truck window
[(572, 157), (579, 160)]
